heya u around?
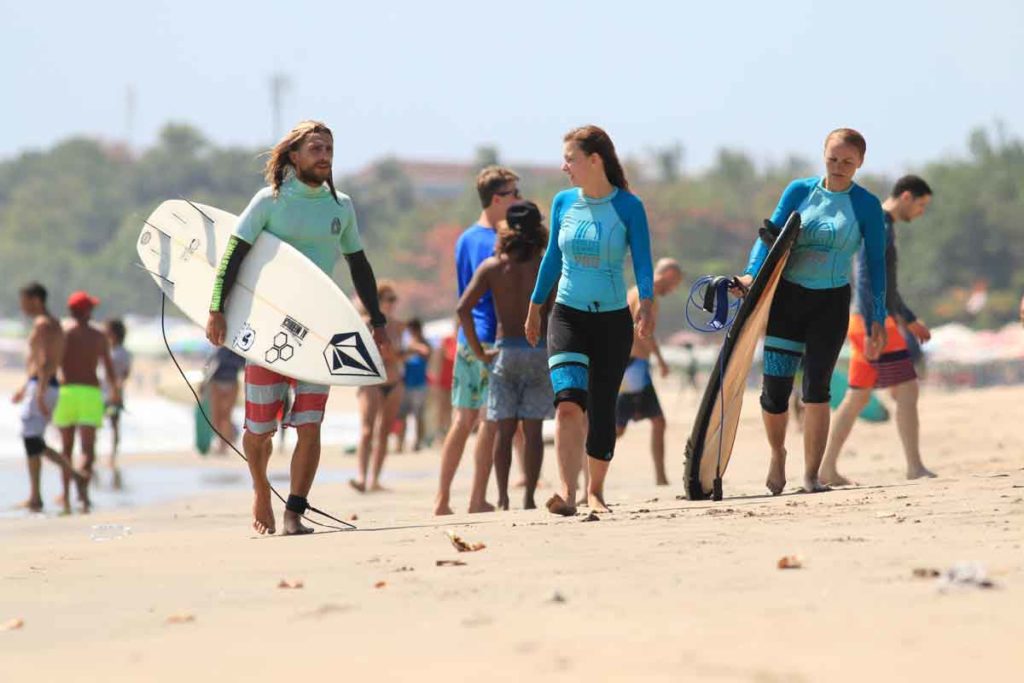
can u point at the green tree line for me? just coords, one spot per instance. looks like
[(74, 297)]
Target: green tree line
[(70, 217)]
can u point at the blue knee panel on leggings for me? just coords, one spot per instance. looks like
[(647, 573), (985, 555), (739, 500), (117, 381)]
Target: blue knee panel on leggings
[(569, 371)]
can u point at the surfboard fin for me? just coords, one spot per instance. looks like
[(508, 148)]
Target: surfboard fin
[(716, 493), (153, 273)]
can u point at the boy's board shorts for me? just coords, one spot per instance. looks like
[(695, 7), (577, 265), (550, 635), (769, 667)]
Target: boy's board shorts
[(265, 395), (469, 379), (79, 405), (894, 366), (520, 384)]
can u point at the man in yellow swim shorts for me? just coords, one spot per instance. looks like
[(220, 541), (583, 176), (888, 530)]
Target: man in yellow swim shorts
[(80, 403)]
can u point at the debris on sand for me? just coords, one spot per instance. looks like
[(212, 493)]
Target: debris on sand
[(293, 584), (790, 562), (181, 618), (964, 575), (12, 624), (926, 573), (592, 517), (463, 546), (450, 563), (557, 598), (380, 584)]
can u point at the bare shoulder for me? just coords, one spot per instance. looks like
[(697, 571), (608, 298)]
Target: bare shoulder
[(45, 325), (490, 264)]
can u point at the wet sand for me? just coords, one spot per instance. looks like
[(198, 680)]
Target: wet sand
[(662, 589)]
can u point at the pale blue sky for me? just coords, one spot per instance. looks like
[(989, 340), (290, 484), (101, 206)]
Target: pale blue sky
[(436, 79)]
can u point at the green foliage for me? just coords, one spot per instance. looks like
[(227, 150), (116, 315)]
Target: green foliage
[(70, 216)]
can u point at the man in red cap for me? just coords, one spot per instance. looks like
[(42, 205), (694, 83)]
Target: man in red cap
[(80, 404)]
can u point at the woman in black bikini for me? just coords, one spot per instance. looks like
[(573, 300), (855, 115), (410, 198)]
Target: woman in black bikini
[(379, 405)]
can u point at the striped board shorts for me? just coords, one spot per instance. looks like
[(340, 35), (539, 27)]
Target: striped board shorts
[(265, 394), (894, 365)]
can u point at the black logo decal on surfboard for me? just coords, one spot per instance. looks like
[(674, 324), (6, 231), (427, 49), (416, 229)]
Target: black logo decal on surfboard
[(146, 237), (297, 329), (245, 338), (281, 350), (346, 354)]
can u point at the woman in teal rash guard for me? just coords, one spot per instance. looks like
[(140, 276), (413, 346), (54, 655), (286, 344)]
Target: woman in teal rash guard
[(811, 308), (590, 330)]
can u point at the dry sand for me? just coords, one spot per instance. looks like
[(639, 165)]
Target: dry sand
[(662, 589)]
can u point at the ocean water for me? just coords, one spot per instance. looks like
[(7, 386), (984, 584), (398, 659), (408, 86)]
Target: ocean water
[(155, 425), (151, 426)]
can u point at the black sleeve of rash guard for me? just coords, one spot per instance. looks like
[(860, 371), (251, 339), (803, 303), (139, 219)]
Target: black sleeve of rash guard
[(366, 286), (227, 272)]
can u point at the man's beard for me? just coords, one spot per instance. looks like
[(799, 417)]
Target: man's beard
[(312, 176)]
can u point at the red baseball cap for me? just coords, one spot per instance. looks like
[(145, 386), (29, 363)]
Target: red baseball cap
[(82, 300)]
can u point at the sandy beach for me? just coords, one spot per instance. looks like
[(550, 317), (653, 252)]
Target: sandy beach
[(662, 589)]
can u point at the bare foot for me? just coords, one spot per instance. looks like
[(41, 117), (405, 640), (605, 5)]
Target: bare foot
[(557, 506), (375, 487), (82, 486), (262, 511), (357, 485), (503, 503), (292, 524), (117, 482), (776, 480), (920, 472), (812, 485), (529, 503), (441, 507), (596, 503), (661, 481), (480, 507), (833, 478), (32, 505)]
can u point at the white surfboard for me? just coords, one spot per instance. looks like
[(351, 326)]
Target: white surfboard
[(283, 312)]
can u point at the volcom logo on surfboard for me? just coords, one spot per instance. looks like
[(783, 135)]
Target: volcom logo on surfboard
[(346, 354)]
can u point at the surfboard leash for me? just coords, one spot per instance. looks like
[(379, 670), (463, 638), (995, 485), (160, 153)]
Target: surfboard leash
[(346, 526), (713, 297)]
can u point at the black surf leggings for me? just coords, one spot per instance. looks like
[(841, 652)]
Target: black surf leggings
[(587, 356), (803, 323)]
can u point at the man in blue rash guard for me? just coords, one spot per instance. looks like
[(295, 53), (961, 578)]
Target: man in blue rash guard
[(811, 308), (590, 330)]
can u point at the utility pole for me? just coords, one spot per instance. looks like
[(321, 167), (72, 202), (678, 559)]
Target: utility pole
[(279, 83)]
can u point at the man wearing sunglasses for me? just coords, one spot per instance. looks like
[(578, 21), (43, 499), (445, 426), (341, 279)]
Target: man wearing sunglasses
[(498, 189)]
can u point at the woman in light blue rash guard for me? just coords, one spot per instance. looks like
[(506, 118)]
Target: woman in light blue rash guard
[(811, 308), (590, 330)]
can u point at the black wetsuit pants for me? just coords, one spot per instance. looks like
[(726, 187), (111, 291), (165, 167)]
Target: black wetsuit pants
[(803, 323), (587, 355)]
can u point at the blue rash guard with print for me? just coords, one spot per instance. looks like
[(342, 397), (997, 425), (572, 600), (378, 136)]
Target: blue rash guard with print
[(834, 226), (588, 247)]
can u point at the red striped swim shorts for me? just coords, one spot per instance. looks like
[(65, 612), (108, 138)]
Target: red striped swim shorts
[(265, 393)]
